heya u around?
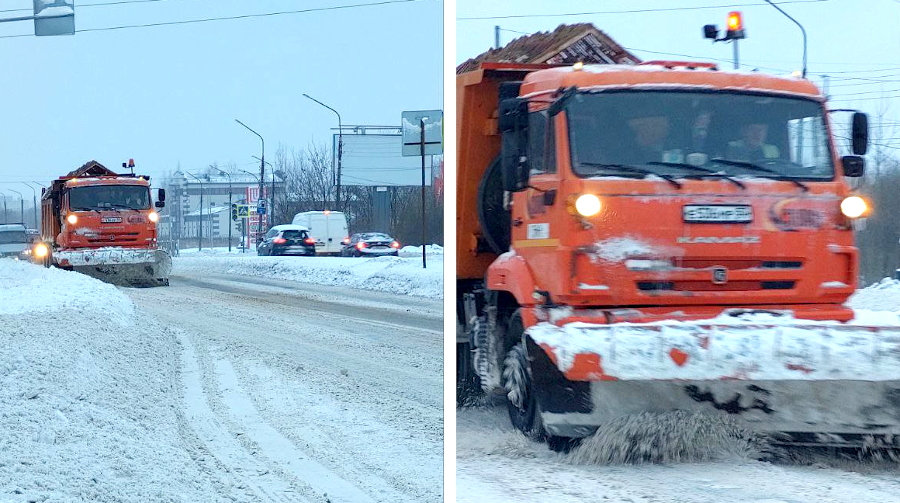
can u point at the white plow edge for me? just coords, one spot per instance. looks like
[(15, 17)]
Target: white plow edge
[(797, 350)]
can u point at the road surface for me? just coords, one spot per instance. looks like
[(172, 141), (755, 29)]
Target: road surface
[(297, 392)]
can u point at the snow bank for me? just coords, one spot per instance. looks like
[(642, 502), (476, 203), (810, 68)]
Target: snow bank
[(882, 296), (88, 400), (28, 288), (399, 275), (413, 251)]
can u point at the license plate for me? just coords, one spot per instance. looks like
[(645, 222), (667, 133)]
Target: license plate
[(110, 220), (718, 213)]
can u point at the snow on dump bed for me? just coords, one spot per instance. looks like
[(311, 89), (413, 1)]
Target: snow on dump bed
[(28, 288), (751, 346), (399, 275), (88, 402)]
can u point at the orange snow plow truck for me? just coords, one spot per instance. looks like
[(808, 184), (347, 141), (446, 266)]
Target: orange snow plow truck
[(103, 224), (664, 236)]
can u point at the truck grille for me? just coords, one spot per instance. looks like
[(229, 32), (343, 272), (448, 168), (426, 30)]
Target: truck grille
[(706, 286)]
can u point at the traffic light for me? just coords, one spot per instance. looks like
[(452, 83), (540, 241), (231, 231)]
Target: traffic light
[(735, 29), (234, 211)]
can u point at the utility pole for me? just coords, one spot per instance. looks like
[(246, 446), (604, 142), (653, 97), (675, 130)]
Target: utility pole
[(340, 150), (5, 212), (34, 202), (246, 227)]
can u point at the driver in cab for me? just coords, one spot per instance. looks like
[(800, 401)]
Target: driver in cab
[(752, 145)]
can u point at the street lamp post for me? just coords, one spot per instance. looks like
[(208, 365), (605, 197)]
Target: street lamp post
[(5, 212), (262, 175), (34, 202), (272, 195), (801, 31), (229, 202), (200, 233), (21, 204), (42, 186), (340, 150)]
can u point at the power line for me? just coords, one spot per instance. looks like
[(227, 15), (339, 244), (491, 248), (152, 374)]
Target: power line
[(98, 4), (635, 11), (230, 18)]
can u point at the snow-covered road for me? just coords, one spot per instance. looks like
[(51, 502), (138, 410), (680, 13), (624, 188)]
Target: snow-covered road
[(220, 387), (496, 463), (299, 391)]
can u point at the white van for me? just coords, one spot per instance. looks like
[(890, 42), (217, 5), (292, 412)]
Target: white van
[(328, 228)]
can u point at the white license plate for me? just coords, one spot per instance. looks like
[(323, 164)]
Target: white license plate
[(718, 213)]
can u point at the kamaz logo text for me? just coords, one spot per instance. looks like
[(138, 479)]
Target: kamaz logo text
[(747, 240)]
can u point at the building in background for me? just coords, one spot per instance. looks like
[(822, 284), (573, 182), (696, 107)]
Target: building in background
[(181, 221)]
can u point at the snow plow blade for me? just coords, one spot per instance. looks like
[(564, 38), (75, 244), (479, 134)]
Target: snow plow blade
[(802, 382), (119, 266)]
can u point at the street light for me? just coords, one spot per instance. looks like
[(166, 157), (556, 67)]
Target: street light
[(801, 31), (200, 234), (229, 202), (34, 202), (340, 149), (262, 173), (21, 204)]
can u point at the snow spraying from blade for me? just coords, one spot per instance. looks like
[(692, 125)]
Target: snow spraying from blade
[(671, 437)]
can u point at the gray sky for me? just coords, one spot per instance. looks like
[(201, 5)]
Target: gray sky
[(171, 93), (856, 42)]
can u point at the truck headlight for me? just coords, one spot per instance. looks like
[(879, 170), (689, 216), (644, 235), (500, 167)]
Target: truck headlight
[(72, 218), (153, 216), (587, 205), (41, 250), (854, 207)]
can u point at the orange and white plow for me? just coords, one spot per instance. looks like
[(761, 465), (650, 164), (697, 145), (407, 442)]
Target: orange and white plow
[(801, 381)]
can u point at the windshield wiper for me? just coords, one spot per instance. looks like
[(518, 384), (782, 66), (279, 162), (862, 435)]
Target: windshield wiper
[(82, 208), (634, 169), (761, 169), (709, 172)]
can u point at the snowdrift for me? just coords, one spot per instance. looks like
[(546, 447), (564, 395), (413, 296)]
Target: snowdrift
[(398, 275), (89, 395)]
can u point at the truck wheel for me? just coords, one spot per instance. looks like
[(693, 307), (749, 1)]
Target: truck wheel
[(522, 403)]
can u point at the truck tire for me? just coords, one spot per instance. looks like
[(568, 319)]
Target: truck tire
[(522, 405), (493, 218)]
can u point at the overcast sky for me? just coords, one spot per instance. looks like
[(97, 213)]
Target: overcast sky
[(170, 94), (856, 42)]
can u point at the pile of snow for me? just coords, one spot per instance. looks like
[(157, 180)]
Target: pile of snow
[(416, 251), (88, 395), (882, 296), (398, 275), (28, 288)]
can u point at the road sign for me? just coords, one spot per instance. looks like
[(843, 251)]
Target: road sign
[(411, 123), (261, 207), (54, 17), (243, 210)]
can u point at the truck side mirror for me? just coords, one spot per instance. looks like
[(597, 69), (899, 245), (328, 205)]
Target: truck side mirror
[(860, 133), (160, 204), (513, 126), (162, 195), (854, 165)]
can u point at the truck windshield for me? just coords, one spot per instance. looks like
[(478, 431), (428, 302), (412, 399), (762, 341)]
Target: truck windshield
[(685, 134), (98, 197), (11, 237)]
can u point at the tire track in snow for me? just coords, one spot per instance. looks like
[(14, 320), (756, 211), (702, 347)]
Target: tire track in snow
[(220, 441)]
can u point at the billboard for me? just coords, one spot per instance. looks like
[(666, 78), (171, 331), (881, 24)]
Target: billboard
[(377, 160)]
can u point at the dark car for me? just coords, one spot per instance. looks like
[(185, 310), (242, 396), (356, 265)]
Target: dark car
[(287, 240), (16, 241), (370, 244)]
